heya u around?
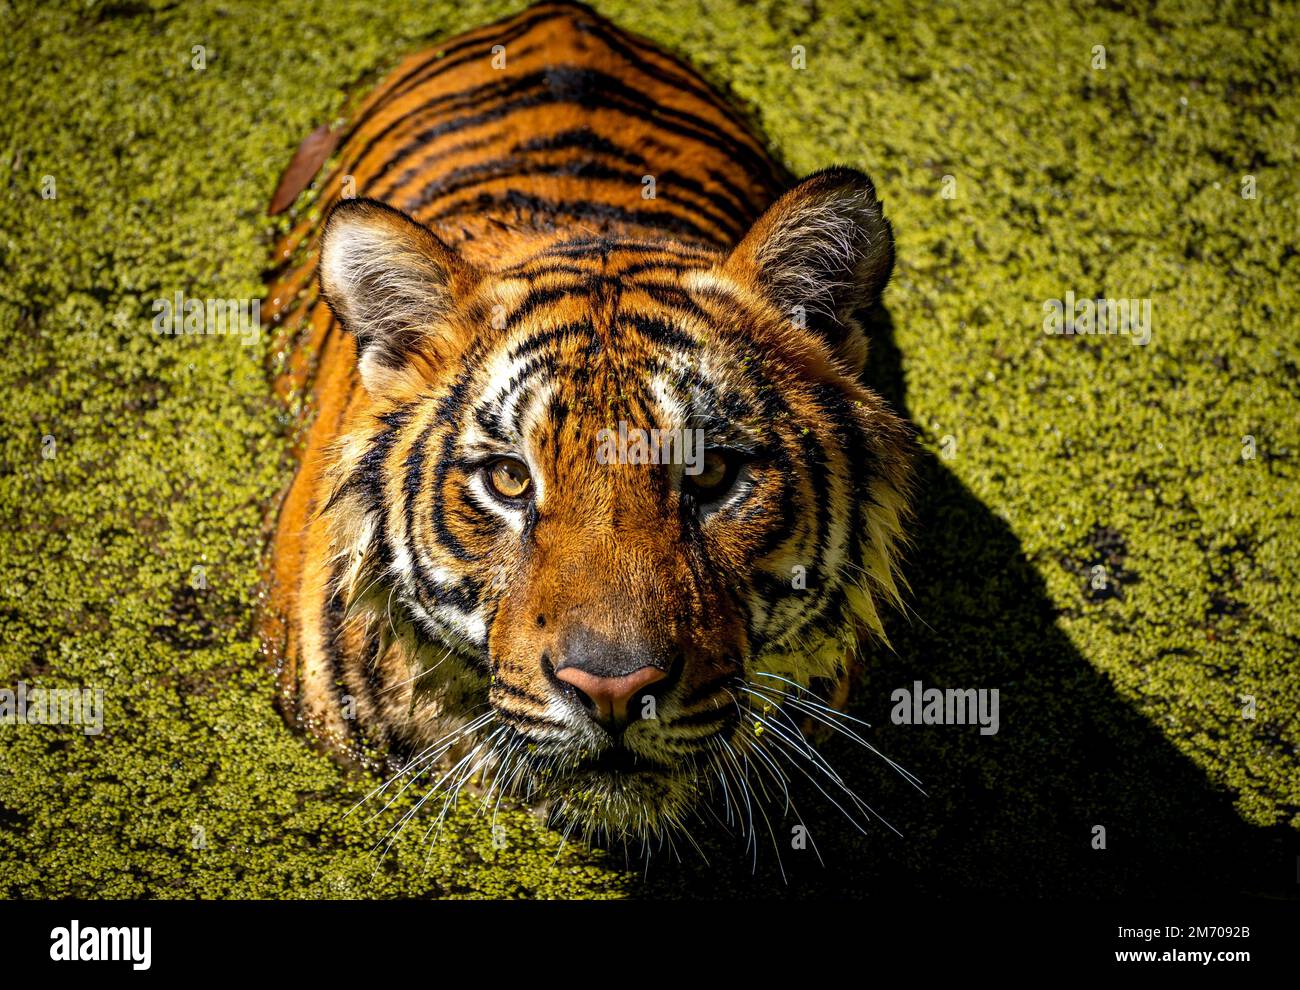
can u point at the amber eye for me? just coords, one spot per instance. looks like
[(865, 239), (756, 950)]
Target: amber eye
[(509, 477), (716, 476)]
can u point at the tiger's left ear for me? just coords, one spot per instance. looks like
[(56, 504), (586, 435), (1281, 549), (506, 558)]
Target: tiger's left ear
[(821, 253)]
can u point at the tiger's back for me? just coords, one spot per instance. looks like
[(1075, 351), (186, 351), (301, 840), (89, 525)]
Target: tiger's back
[(554, 116)]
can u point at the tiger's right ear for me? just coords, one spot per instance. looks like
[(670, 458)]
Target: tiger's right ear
[(821, 254), (389, 281)]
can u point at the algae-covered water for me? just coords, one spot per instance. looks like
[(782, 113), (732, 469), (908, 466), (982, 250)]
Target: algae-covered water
[(1108, 532)]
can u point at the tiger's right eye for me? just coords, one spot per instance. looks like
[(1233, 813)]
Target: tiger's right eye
[(716, 476), (509, 477)]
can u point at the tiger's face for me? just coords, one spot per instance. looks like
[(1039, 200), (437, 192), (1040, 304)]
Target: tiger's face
[(621, 499)]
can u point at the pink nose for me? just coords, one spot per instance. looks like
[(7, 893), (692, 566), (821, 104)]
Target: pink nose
[(609, 696)]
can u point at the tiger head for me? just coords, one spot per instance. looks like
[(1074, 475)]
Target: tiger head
[(615, 504)]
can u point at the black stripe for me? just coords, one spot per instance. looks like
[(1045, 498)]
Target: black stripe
[(584, 246), (720, 212), (658, 331), (543, 367), (447, 57), (464, 595), (529, 21), (501, 686), (332, 615), (420, 167), (689, 82), (658, 264), (581, 138), (567, 331), (438, 509), (540, 213), (522, 720), (537, 299)]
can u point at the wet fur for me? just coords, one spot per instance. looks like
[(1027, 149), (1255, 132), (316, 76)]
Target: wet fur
[(502, 235)]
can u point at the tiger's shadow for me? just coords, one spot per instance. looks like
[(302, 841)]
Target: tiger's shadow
[(1013, 813)]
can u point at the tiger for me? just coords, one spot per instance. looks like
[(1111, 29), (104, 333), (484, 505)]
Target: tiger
[(590, 505)]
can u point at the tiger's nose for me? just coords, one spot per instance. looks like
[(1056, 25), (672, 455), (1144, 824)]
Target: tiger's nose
[(609, 696), (607, 676)]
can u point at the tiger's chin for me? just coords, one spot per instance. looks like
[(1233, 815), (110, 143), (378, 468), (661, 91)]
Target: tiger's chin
[(597, 801), (616, 795)]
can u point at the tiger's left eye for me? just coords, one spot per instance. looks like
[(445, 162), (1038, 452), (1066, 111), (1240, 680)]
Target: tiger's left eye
[(509, 477), (717, 474)]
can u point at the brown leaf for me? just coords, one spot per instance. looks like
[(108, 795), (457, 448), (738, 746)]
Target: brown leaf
[(307, 160)]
